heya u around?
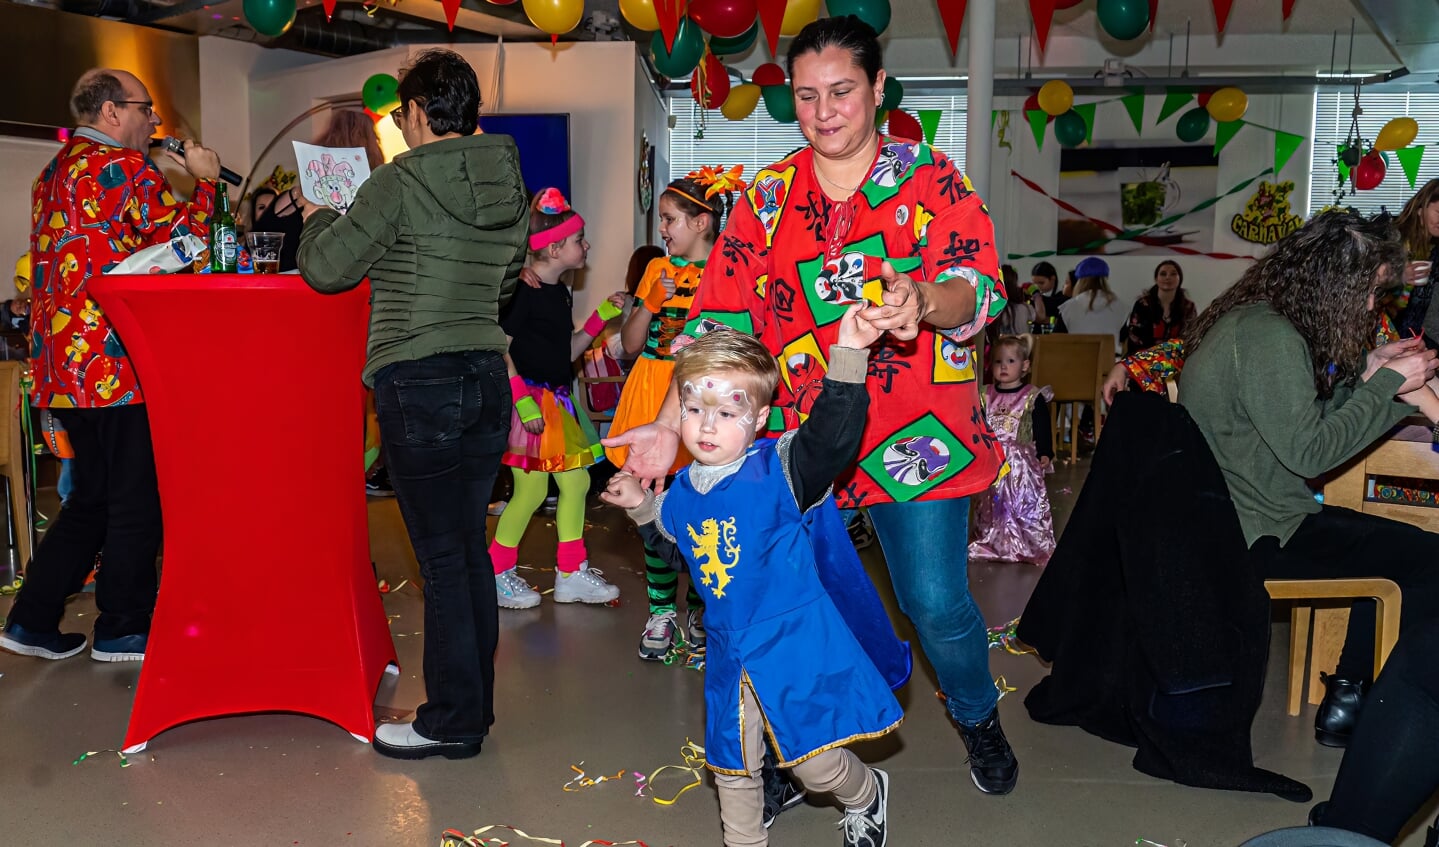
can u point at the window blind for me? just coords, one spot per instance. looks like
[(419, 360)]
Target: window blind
[(1332, 115)]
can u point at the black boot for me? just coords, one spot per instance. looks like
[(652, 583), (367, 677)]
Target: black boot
[(1316, 814), (992, 765), (1339, 712)]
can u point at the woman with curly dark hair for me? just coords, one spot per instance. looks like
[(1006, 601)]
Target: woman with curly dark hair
[(1281, 379)]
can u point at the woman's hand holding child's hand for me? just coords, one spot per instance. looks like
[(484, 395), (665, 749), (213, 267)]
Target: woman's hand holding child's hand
[(855, 331), (623, 491), (529, 277), (1416, 368)]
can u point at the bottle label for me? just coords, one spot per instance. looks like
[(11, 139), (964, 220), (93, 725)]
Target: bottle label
[(226, 248)]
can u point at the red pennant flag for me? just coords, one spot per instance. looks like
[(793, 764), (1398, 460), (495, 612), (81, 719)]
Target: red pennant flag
[(1288, 8), (952, 13), (329, 10), (1221, 13), (668, 12), (771, 14), (1043, 12), (1154, 12), (452, 8)]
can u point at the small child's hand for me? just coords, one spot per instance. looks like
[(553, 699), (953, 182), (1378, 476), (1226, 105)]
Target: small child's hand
[(618, 300), (669, 284), (534, 427), (1045, 462), (623, 491), (855, 331)]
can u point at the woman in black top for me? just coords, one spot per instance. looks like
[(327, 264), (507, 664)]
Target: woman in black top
[(1162, 312)]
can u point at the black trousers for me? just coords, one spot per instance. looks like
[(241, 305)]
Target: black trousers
[(114, 508), (1391, 768), (1342, 543)]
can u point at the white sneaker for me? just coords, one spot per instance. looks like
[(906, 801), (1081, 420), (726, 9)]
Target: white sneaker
[(659, 636), (584, 586), (513, 592)]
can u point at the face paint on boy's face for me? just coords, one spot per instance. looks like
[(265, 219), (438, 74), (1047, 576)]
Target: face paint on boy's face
[(717, 419)]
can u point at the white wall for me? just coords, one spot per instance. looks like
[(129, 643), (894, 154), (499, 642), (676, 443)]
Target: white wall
[(593, 82), (24, 159), (1025, 221), (651, 119)]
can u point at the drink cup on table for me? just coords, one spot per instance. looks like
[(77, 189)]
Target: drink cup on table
[(265, 251)]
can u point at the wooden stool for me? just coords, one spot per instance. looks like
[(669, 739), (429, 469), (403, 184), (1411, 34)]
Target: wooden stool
[(1330, 627)]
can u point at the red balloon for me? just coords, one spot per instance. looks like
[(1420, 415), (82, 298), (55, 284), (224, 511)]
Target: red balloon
[(1204, 98), (768, 74), (1370, 171), (723, 18), (902, 125), (716, 88), (1058, 4), (1031, 104)]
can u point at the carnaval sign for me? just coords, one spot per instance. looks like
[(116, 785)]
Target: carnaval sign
[(1267, 216)]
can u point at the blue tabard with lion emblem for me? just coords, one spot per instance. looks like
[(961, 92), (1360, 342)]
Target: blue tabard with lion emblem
[(770, 622)]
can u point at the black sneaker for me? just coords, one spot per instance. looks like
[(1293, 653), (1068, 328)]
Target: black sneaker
[(780, 792), (125, 648), (378, 485), (49, 645), (992, 765), (867, 827)]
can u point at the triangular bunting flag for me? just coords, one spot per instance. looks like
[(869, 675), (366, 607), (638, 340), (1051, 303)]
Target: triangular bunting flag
[(330, 11), (1285, 143), (1134, 105), (668, 13), (771, 15), (1042, 11), (452, 8), (929, 122), (1339, 155), (1288, 8), (1225, 133), (1221, 13), (952, 13), (1038, 122), (1409, 159), (1086, 111), (1153, 13), (993, 116), (1173, 102)]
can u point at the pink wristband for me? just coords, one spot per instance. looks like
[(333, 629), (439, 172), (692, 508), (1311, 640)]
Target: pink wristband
[(518, 388), (594, 325)]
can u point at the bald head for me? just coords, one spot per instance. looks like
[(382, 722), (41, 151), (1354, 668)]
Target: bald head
[(95, 87)]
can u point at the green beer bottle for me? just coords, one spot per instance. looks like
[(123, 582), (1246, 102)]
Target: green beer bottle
[(223, 246)]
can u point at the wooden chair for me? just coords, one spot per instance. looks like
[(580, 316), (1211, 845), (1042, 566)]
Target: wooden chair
[(12, 461), (1074, 367), (1330, 627)]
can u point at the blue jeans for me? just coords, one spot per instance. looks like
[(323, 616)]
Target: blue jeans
[(444, 423), (926, 546)]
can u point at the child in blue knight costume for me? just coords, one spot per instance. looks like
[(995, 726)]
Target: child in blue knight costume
[(749, 519)]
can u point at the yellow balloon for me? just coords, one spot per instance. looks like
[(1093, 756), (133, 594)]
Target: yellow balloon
[(1056, 97), (741, 101), (556, 17), (641, 14), (798, 15), (1227, 104), (1397, 134)]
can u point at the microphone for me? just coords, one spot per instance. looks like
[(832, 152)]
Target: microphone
[(175, 145)]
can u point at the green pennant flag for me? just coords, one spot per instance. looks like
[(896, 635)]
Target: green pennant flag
[(1038, 120), (1285, 144), (1409, 159), (929, 122), (993, 116), (1225, 132), (1339, 156), (1086, 111), (1134, 105), (1173, 102)]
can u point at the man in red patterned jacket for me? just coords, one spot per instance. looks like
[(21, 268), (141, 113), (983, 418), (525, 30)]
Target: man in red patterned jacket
[(99, 200)]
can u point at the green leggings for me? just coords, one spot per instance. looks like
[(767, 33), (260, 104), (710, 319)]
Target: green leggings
[(662, 583), (530, 490)]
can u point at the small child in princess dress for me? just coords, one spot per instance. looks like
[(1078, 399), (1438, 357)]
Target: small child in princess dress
[(1013, 523)]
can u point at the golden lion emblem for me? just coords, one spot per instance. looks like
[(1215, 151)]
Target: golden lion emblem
[(713, 569)]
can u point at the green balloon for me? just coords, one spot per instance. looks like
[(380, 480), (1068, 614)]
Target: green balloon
[(893, 93), (738, 44), (779, 102), (1193, 124), (1070, 130), (689, 49), (876, 13), (1123, 19), (380, 92), (270, 17)]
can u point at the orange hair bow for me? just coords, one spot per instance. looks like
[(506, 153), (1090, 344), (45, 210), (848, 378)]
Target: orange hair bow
[(717, 180)]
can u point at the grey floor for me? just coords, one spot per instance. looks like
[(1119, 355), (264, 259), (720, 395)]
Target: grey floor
[(571, 691)]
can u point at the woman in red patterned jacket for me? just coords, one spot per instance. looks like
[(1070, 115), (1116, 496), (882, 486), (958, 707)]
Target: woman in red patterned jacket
[(830, 225)]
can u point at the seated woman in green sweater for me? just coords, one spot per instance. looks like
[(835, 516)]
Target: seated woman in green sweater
[(1281, 379)]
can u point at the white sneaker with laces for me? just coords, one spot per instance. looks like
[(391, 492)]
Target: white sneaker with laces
[(584, 586), (512, 592), (867, 827), (659, 636)]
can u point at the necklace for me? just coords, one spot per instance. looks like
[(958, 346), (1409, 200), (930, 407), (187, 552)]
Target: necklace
[(846, 188)]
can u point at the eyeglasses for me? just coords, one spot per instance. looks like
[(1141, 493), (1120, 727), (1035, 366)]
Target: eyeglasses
[(147, 107), (397, 115)]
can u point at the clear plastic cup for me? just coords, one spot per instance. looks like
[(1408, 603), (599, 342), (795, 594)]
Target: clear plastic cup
[(265, 251)]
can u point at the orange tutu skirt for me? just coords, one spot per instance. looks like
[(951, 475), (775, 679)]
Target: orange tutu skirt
[(569, 440), (640, 403)]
